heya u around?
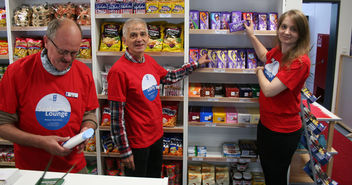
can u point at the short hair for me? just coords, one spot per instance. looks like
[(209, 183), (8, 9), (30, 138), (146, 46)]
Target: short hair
[(130, 22), (55, 24)]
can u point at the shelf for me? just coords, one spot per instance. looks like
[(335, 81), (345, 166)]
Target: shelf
[(172, 157), (111, 154), (221, 159), (177, 129), (11, 164), (163, 98), (224, 70), (5, 142), (85, 60), (142, 16), (226, 125), (227, 32), (90, 154), (224, 99), (4, 57), (154, 54), (41, 28)]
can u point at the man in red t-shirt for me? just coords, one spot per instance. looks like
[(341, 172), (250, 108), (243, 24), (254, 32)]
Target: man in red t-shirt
[(45, 99), (136, 113)]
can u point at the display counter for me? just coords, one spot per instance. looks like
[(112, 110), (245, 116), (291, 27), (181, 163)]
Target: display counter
[(31, 177)]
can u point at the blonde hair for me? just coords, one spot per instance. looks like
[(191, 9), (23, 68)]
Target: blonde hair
[(303, 43)]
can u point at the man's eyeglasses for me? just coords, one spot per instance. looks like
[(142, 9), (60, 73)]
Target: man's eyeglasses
[(64, 52)]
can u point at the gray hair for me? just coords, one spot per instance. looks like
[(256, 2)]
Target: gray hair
[(130, 22), (55, 24)]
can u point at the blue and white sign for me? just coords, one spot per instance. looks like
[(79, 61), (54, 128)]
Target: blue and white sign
[(270, 70), (149, 87), (53, 111)]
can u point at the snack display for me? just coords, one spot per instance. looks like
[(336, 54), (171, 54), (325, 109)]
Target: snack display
[(4, 49), (34, 45), (20, 48)]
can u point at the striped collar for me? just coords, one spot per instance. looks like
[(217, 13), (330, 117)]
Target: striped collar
[(49, 67), (130, 57)]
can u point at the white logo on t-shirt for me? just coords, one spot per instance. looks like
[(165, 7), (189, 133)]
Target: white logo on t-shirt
[(149, 87), (270, 70), (53, 111)]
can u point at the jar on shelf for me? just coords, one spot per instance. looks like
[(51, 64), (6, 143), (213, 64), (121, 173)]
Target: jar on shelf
[(247, 178)]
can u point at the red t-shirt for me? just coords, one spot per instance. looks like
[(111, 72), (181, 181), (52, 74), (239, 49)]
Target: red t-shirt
[(47, 105), (281, 112), (137, 84)]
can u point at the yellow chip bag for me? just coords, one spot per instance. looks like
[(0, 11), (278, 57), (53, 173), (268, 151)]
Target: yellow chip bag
[(110, 37), (178, 7), (173, 38), (156, 35), (152, 7), (165, 7)]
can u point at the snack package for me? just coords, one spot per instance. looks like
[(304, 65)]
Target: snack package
[(272, 21), (85, 49), (231, 58), (213, 58), (173, 38), (2, 17), (178, 7), (110, 37), (152, 7), (194, 19), (165, 7), (91, 145), (169, 110), (193, 55), (215, 21), (83, 14), (23, 16), (106, 116), (34, 46), (42, 14), (236, 16), (156, 35), (225, 20), (4, 49), (251, 59), (194, 90), (139, 8), (67, 10), (262, 21), (20, 48), (204, 20), (222, 58)]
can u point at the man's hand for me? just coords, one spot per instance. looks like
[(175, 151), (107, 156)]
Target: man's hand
[(128, 162), (203, 60), (52, 144)]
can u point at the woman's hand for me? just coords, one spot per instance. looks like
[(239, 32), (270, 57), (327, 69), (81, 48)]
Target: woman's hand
[(258, 69), (249, 29)]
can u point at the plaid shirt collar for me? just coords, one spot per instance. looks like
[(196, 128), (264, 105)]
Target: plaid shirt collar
[(130, 57)]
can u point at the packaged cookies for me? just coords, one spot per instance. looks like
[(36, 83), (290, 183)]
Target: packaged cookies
[(22, 16), (83, 14), (41, 14), (67, 10)]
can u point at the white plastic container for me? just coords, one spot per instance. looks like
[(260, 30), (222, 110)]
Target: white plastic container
[(78, 139)]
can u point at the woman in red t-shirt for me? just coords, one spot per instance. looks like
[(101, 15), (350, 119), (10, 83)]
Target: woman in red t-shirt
[(281, 79)]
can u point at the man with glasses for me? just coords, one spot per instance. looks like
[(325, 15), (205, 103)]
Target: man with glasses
[(47, 98)]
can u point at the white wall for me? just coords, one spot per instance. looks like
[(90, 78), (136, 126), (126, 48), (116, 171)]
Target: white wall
[(319, 22), (343, 40)]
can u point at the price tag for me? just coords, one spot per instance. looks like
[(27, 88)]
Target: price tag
[(231, 160), (221, 31), (165, 15), (116, 15), (197, 159), (219, 70)]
